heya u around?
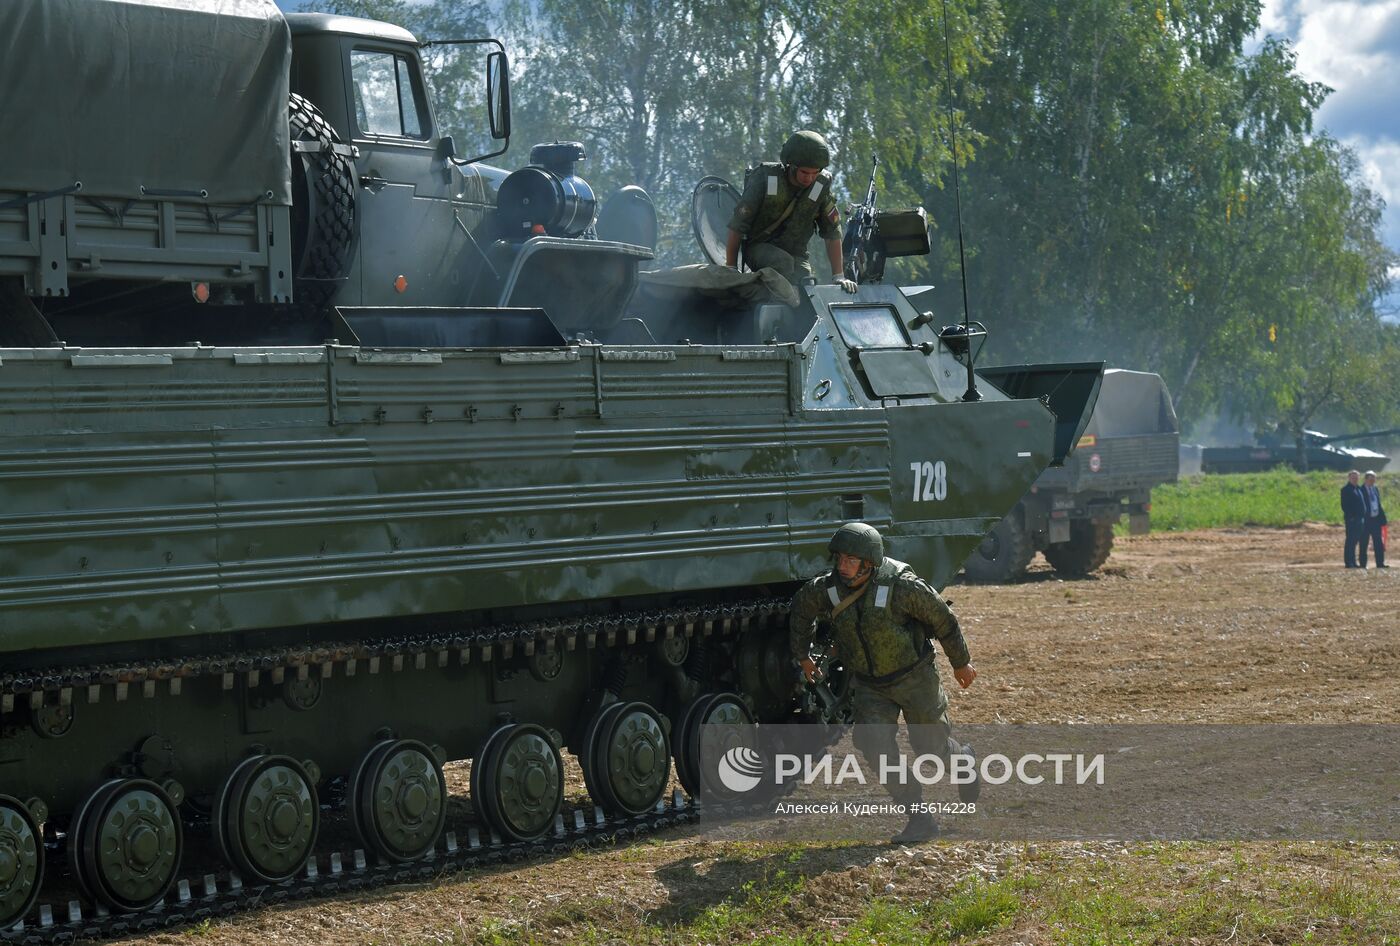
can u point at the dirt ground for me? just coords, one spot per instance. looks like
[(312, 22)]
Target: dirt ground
[(1226, 626), (1229, 626)]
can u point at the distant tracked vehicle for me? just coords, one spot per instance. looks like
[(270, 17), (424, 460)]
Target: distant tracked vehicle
[(1320, 452)]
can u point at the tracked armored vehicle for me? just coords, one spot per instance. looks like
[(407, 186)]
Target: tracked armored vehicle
[(1317, 451), (322, 464)]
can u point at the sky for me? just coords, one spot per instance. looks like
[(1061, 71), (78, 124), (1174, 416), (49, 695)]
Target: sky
[(1353, 46)]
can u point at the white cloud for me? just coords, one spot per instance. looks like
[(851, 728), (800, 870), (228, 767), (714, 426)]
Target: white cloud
[(1344, 43), (1276, 17), (1380, 163), (1353, 46)]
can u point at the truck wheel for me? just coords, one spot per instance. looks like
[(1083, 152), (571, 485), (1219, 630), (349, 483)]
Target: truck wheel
[(323, 206), (1088, 547), (1004, 553)]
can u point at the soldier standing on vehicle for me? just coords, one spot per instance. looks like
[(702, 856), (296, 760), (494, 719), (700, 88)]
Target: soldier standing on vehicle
[(782, 205), (881, 615)]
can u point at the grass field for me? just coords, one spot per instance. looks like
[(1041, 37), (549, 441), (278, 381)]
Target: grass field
[(1149, 894), (1276, 498)]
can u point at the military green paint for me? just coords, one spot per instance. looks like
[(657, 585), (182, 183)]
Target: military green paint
[(270, 818), (216, 496), (21, 859), (160, 498), (213, 494)]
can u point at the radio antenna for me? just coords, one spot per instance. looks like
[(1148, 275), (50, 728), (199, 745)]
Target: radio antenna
[(972, 393)]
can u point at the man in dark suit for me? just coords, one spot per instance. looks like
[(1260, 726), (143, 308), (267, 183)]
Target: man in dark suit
[(1374, 521), (1354, 515)]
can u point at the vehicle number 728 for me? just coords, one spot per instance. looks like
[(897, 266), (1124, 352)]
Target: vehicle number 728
[(930, 480)]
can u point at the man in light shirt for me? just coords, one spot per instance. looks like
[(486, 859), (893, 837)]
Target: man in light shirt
[(1375, 520)]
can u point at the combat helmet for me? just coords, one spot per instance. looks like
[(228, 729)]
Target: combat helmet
[(859, 539), (806, 149)]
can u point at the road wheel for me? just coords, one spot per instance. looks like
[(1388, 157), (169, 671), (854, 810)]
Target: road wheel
[(323, 206), (21, 860), (627, 759), (399, 796), (267, 818), (1089, 543), (737, 731), (124, 845), (1004, 553), (518, 781)]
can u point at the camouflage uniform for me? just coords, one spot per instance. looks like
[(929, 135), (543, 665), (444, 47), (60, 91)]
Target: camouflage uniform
[(882, 640), (765, 199)]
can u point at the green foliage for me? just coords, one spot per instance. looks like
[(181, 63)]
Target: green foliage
[(1161, 893), (1275, 498), (1149, 193), (664, 92), (975, 907), (1323, 347), (204, 927)]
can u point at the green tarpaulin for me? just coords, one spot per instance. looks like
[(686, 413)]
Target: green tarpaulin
[(170, 95)]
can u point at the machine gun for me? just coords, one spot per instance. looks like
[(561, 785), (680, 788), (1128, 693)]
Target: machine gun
[(874, 236), (858, 245)]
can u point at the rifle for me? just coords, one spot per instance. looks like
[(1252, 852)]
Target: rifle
[(819, 699), (858, 243)]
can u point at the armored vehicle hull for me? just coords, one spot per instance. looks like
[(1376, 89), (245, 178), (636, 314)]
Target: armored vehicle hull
[(354, 564)]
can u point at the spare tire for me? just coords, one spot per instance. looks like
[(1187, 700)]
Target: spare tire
[(323, 206)]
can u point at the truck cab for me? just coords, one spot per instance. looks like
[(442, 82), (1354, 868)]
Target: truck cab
[(429, 231), (419, 210)]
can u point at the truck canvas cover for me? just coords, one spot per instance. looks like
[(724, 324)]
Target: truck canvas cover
[(1132, 403), (173, 95)]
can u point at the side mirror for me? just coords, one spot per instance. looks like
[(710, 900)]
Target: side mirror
[(498, 94)]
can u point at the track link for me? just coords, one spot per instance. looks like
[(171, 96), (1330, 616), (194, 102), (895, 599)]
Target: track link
[(204, 896), (199, 898), (483, 645)]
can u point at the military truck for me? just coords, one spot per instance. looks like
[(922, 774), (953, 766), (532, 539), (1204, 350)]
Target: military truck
[(321, 177), (1129, 446), (322, 464)]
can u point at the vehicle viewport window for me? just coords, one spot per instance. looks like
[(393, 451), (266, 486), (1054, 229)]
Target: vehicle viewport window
[(386, 99), (869, 326)]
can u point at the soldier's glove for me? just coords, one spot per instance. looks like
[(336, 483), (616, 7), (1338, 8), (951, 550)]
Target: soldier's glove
[(848, 285)]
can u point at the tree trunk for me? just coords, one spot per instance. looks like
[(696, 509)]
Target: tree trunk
[(758, 91), (1184, 384)]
